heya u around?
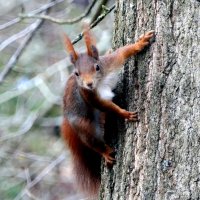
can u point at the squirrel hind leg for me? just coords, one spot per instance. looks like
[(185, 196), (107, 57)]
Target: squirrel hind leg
[(108, 155)]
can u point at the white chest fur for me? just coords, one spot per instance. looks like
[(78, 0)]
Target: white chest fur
[(106, 85)]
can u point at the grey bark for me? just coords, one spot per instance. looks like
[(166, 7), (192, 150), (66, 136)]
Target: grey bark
[(159, 157)]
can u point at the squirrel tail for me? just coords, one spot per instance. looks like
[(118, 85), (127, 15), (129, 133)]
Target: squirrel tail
[(87, 171), (87, 163)]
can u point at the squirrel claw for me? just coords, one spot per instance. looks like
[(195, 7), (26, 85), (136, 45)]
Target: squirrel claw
[(147, 36), (130, 116), (108, 158)]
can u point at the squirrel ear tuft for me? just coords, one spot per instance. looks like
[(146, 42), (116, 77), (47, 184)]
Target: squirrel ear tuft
[(70, 49), (94, 51), (90, 43)]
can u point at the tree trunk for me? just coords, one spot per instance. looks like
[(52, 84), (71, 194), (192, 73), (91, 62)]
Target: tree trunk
[(158, 157)]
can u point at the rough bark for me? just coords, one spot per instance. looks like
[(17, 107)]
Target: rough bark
[(159, 157)]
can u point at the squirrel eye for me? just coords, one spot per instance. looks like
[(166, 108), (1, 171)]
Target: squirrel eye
[(76, 73), (97, 67)]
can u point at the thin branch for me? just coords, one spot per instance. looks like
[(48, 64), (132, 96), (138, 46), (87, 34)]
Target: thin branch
[(44, 89), (27, 174), (13, 60), (30, 195), (29, 122), (99, 10), (18, 35), (10, 23), (30, 156), (97, 21), (60, 21), (39, 10), (36, 81), (43, 173)]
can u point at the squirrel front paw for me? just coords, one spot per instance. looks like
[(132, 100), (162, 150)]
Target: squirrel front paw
[(145, 38), (130, 116)]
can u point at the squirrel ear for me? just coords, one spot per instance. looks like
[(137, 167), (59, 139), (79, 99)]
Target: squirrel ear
[(94, 52), (90, 44), (70, 49)]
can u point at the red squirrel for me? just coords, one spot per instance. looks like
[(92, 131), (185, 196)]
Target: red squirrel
[(88, 96)]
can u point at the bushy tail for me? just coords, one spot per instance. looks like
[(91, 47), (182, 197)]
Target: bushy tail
[(87, 163), (87, 167)]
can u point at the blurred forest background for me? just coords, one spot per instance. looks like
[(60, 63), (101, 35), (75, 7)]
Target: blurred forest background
[(34, 163)]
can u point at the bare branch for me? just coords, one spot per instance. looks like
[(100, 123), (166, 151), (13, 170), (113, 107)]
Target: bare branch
[(39, 10), (36, 81), (30, 156), (102, 16), (27, 174), (21, 34), (30, 195), (10, 23), (39, 178), (97, 21), (60, 21), (99, 10), (13, 60), (28, 123)]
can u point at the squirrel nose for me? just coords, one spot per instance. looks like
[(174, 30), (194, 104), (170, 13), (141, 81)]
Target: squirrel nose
[(90, 84)]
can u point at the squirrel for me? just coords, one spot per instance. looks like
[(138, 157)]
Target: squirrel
[(87, 97)]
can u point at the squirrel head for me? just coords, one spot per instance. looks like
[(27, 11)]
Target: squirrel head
[(87, 66)]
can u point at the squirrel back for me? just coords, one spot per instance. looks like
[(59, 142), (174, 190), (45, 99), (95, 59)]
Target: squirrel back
[(88, 96)]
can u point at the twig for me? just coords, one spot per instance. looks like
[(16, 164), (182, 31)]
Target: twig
[(28, 123), (60, 21), (27, 174), (34, 82), (30, 195), (13, 60), (99, 10), (20, 34), (39, 10), (102, 16), (29, 156), (44, 172), (10, 23), (98, 20), (44, 89)]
